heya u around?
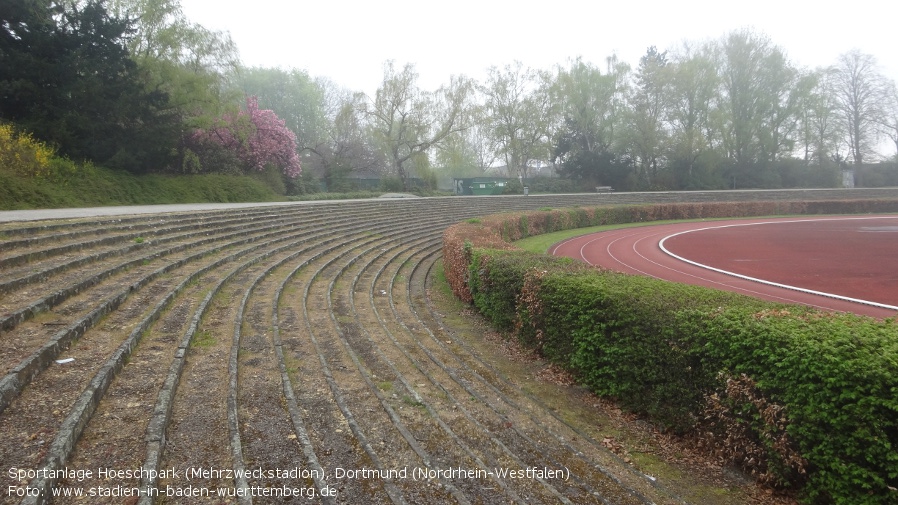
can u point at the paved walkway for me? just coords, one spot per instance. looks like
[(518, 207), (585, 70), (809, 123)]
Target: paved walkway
[(42, 214), (45, 214)]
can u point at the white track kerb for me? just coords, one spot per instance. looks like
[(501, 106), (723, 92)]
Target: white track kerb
[(762, 281)]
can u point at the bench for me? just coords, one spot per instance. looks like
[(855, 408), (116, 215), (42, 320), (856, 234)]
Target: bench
[(604, 189)]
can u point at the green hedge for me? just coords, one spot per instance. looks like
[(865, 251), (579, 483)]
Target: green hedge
[(795, 396), (837, 376)]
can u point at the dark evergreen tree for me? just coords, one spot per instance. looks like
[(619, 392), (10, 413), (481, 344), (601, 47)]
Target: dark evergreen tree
[(66, 76), (573, 160)]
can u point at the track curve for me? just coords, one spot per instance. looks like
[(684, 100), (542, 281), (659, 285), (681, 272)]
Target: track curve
[(838, 263)]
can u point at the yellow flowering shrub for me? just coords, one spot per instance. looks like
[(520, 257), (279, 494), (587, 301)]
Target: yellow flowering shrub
[(22, 154)]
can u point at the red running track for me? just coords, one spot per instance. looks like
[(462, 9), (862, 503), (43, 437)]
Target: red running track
[(839, 263)]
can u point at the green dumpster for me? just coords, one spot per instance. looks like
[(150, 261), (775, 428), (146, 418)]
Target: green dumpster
[(488, 188)]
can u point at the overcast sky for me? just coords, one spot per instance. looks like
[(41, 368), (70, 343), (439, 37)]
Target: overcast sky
[(348, 41)]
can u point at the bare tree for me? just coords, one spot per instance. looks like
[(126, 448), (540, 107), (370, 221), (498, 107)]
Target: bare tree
[(409, 121), (821, 126), (889, 119), (344, 145), (470, 152), (861, 94)]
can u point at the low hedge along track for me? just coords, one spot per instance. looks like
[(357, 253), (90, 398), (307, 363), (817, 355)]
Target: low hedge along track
[(799, 398)]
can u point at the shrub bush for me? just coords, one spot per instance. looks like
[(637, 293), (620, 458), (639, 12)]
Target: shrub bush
[(795, 396), (497, 278), (22, 155), (836, 375)]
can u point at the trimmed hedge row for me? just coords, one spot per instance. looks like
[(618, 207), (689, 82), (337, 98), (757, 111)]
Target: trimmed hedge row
[(797, 397)]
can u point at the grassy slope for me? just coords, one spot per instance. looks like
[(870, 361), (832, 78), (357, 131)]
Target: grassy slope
[(99, 187), (96, 187)]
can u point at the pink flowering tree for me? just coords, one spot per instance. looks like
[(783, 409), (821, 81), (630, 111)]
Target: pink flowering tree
[(256, 137)]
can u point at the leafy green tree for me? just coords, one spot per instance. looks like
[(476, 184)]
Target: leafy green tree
[(589, 140), (586, 98), (647, 132), (519, 113), (757, 107), (691, 95), (196, 66)]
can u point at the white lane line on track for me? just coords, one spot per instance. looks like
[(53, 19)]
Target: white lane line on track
[(726, 285), (771, 283), (615, 258), (608, 250)]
